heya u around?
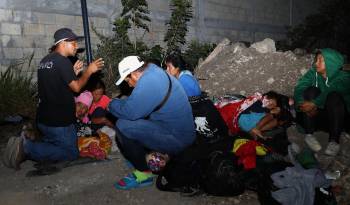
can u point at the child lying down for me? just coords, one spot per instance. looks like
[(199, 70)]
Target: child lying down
[(271, 111)]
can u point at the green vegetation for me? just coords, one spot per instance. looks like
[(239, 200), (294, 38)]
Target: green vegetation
[(17, 91), (327, 28), (196, 51), (134, 17), (181, 14), (136, 13)]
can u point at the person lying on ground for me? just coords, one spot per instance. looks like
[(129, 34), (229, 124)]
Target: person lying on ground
[(322, 99), (264, 115), (232, 107), (156, 117)]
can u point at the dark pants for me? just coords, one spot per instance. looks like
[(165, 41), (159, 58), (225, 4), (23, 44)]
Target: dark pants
[(331, 118)]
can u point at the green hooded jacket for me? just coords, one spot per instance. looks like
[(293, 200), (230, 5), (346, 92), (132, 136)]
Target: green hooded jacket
[(337, 80)]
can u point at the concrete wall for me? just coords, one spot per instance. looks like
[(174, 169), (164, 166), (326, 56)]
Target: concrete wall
[(27, 26)]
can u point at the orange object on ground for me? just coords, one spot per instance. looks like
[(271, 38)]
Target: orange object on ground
[(95, 147)]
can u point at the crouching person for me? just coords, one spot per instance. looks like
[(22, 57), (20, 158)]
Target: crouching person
[(322, 97), (156, 117), (57, 83)]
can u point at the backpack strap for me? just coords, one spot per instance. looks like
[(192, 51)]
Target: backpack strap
[(166, 96)]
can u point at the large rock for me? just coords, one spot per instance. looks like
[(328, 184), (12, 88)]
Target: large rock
[(218, 49), (240, 70), (265, 46)]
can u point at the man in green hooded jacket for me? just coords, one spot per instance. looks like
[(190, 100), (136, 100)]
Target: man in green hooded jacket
[(322, 97)]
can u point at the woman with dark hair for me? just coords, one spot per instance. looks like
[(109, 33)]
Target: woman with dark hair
[(210, 126), (266, 114), (176, 67), (98, 110)]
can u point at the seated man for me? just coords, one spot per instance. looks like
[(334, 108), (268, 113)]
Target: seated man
[(155, 117), (322, 97)]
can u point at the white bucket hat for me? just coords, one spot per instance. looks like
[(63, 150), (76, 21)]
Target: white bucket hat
[(128, 65)]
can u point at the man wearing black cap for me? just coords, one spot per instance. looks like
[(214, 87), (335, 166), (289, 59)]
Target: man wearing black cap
[(57, 82)]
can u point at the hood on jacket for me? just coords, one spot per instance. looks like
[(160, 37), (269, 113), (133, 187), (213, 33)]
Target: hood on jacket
[(333, 60)]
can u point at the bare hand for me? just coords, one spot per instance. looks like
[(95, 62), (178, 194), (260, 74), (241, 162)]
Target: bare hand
[(78, 67), (96, 65), (307, 106), (275, 110), (256, 133), (312, 112)]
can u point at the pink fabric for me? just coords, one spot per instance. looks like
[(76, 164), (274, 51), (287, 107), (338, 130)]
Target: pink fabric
[(103, 103), (85, 98), (85, 119)]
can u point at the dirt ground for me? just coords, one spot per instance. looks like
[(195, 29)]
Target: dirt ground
[(92, 183)]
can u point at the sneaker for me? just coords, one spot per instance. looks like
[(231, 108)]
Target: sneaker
[(312, 142), (14, 153), (332, 149), (6, 157), (346, 135), (333, 175)]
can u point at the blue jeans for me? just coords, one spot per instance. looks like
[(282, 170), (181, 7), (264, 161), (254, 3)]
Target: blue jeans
[(136, 138), (58, 144)]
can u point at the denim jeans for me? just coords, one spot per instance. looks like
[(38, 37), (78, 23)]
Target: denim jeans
[(58, 144), (136, 138)]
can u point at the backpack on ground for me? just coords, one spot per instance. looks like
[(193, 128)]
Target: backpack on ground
[(222, 176), (209, 169), (180, 177), (210, 126)]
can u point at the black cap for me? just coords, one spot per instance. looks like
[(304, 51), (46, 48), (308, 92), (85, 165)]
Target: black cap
[(65, 34)]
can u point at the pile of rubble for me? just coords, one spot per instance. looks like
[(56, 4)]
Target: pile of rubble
[(232, 68)]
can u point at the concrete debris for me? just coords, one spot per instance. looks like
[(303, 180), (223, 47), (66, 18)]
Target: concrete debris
[(299, 52), (218, 49), (259, 68), (265, 46)]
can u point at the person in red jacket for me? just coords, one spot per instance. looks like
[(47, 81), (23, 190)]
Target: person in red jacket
[(98, 110)]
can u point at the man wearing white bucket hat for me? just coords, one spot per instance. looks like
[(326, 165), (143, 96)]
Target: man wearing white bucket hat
[(155, 117)]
